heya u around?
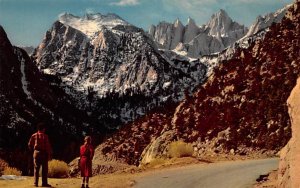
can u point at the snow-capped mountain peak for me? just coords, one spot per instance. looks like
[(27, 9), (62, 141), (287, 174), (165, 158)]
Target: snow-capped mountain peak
[(219, 24), (191, 30), (89, 24), (191, 21), (178, 23)]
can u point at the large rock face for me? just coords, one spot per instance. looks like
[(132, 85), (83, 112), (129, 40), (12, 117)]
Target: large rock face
[(191, 31), (220, 32), (221, 25), (101, 58)]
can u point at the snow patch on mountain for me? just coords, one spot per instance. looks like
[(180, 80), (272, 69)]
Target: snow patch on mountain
[(23, 75), (90, 24)]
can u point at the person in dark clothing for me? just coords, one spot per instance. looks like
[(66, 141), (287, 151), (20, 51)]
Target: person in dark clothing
[(39, 143), (86, 157)]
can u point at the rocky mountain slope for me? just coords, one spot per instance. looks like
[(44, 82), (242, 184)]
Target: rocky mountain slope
[(220, 32), (102, 59), (240, 109), (26, 97), (265, 21)]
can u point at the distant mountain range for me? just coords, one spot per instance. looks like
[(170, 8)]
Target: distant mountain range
[(215, 36), (219, 33)]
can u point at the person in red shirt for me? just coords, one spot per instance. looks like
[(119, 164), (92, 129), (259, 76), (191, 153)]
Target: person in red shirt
[(39, 143), (86, 157)]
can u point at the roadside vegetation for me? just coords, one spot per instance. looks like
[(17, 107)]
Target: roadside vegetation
[(11, 171), (180, 149), (58, 169), (5, 169)]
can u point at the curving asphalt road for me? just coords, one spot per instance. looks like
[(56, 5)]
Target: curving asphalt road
[(234, 174)]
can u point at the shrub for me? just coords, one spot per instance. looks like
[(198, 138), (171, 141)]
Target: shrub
[(180, 149), (156, 162), (11, 171), (3, 165), (58, 169)]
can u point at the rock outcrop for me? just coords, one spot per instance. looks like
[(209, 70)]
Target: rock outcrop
[(289, 168), (157, 148)]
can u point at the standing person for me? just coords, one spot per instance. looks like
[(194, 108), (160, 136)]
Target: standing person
[(39, 143), (86, 157)]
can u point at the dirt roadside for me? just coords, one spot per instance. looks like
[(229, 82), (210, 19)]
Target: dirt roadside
[(121, 179)]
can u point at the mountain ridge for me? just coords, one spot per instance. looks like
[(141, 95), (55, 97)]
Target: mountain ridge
[(219, 32)]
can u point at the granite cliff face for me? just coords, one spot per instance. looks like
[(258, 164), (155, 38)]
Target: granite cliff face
[(240, 109), (101, 59)]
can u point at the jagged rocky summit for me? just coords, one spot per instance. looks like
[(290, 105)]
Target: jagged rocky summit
[(220, 32)]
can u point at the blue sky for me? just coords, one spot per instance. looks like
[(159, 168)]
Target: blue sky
[(26, 21)]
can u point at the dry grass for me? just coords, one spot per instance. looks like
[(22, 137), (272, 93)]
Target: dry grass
[(11, 171), (58, 169), (156, 163), (180, 149), (3, 165)]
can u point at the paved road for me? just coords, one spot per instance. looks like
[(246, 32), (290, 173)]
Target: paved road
[(237, 174)]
